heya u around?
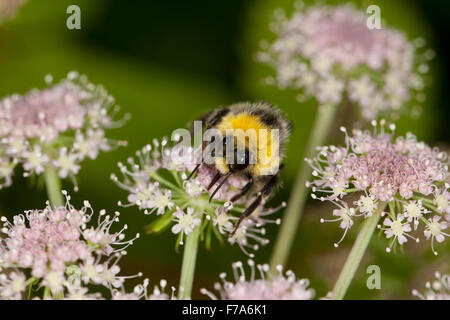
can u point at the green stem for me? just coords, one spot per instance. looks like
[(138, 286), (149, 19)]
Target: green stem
[(357, 253), (30, 282), (294, 210), (59, 295), (188, 265), (159, 224), (30, 288), (53, 185), (164, 181), (47, 292)]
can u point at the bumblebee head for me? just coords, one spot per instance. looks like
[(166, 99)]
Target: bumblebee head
[(235, 156), (241, 160)]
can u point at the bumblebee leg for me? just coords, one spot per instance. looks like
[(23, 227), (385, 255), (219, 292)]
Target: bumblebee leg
[(193, 171), (220, 185), (243, 191), (265, 191), (252, 207), (214, 180)]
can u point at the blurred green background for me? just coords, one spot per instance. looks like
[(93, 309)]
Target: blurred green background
[(168, 62)]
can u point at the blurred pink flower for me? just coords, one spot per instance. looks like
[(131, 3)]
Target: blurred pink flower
[(438, 289), (281, 287), (329, 52), (8, 8)]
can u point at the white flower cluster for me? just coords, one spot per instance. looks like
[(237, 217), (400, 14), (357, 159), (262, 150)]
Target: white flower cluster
[(438, 289), (156, 183)]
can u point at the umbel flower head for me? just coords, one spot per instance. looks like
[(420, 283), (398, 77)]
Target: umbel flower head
[(374, 171), (8, 8), (330, 54), (141, 292), (157, 185), (57, 127), (265, 287), (62, 250), (438, 289)]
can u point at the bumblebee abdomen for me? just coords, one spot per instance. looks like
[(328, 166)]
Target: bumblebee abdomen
[(241, 121)]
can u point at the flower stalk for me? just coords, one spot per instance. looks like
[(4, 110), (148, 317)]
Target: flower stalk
[(47, 293), (188, 264), (53, 186), (355, 256), (294, 210)]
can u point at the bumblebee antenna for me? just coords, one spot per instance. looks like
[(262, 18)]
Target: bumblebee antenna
[(193, 171), (220, 185)]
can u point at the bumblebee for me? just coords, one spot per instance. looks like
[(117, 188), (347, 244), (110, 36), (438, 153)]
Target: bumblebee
[(255, 158)]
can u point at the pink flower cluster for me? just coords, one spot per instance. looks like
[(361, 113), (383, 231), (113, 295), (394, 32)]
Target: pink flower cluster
[(57, 127), (280, 287), (330, 53), (409, 175), (62, 250), (156, 183)]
